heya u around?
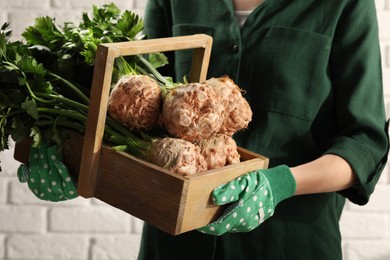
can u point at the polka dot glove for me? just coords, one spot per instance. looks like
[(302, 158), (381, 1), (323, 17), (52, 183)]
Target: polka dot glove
[(254, 197), (46, 176)]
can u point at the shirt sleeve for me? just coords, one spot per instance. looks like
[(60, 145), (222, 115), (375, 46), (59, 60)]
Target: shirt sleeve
[(362, 137)]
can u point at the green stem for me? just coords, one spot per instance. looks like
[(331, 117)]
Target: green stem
[(33, 94), (50, 118), (124, 67), (136, 145), (67, 113), (120, 128), (71, 86), (114, 138), (154, 71), (66, 101), (63, 123), (14, 113)]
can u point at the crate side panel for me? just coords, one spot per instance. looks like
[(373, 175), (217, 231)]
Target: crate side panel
[(199, 209), (71, 152), (142, 191)]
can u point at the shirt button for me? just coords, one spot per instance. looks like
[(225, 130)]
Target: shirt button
[(235, 48)]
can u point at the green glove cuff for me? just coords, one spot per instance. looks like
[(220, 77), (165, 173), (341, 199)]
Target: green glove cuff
[(281, 181)]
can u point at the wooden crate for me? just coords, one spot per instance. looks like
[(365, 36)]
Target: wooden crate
[(171, 202)]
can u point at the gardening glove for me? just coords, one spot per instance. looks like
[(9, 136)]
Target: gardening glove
[(47, 177), (254, 197)]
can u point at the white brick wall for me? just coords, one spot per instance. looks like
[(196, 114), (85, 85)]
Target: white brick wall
[(47, 246), (89, 229)]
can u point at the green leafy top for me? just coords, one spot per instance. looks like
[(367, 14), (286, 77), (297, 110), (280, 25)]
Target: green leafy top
[(45, 79), (44, 82), (73, 47)]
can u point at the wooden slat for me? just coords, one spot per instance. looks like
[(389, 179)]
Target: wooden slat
[(199, 210), (161, 45), (200, 61), (201, 44), (22, 151), (96, 121), (145, 191)]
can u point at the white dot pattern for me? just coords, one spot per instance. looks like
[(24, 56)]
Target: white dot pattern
[(48, 178), (254, 205)]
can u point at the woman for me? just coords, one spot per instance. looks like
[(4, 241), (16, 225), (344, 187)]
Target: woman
[(311, 72)]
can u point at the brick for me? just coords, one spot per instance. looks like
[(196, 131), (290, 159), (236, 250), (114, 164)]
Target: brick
[(384, 179), (387, 107), (87, 5), (9, 165), (383, 21), (2, 246), (139, 12), (25, 4), (386, 83), (381, 5), (386, 4), (136, 225), (379, 201), (364, 225), (365, 250), (140, 4), (115, 247), (387, 102), (385, 51), (20, 20), (47, 246), (19, 194), (88, 219), (97, 202), (3, 17), (3, 190), (22, 219)]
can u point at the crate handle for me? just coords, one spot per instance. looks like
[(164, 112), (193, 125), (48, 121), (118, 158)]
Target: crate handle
[(100, 89)]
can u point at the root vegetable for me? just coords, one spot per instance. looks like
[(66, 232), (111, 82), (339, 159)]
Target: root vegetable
[(176, 155), (192, 112), (237, 112), (135, 102), (218, 151)]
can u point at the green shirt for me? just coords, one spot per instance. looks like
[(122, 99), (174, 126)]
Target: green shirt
[(312, 74)]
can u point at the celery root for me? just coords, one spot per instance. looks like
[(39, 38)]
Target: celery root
[(237, 112), (218, 151), (176, 155), (192, 112), (135, 102)]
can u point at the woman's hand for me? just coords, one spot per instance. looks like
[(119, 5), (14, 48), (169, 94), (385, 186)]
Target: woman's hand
[(254, 196), (46, 176)]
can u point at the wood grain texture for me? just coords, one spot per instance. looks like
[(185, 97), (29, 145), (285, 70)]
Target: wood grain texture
[(96, 120)]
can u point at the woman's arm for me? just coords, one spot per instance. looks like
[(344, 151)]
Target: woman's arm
[(357, 153), (326, 174)]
